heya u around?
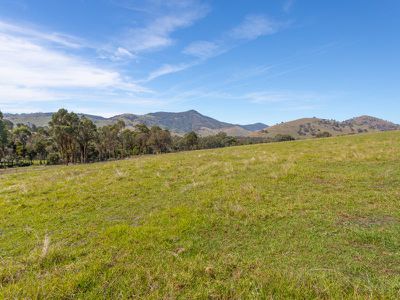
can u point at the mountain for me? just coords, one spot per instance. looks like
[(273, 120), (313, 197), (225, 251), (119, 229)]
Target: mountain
[(311, 127), (179, 123), (255, 126)]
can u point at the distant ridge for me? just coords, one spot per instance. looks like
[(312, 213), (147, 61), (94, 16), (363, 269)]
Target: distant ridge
[(184, 122), (179, 123)]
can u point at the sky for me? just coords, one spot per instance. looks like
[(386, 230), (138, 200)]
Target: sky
[(240, 61)]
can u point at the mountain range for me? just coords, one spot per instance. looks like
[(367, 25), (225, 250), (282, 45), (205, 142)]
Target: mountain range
[(178, 123), (184, 122)]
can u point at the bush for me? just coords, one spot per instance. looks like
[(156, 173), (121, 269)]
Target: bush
[(53, 159), (283, 138), (323, 134)]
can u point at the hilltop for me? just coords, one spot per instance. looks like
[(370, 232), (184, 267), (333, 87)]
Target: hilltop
[(313, 219), (312, 127)]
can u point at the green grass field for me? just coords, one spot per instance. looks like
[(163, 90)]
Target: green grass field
[(304, 219)]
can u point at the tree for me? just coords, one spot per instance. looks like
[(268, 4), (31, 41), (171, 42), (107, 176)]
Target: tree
[(128, 142), (109, 140), (324, 134), (86, 133), (159, 140), (38, 145), (191, 141), (142, 134), (217, 141), (283, 138), (21, 135), (3, 136), (63, 128)]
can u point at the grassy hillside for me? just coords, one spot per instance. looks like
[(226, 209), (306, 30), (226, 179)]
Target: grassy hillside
[(236, 131), (311, 127), (304, 219)]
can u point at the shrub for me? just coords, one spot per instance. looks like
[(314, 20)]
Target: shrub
[(53, 159), (323, 134), (283, 138)]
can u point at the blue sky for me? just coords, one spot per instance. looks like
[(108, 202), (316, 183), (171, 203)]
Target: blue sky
[(239, 61)]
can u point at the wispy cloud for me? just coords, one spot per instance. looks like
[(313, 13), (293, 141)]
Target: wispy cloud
[(288, 5), (251, 28), (203, 49), (255, 26), (32, 70), (290, 98), (165, 18), (122, 53), (168, 69), (32, 34)]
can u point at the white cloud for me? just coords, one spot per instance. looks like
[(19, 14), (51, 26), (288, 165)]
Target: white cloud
[(283, 96), (32, 34), (168, 69), (203, 49), (267, 97), (12, 93), (157, 33), (31, 70), (288, 5), (122, 53), (253, 27)]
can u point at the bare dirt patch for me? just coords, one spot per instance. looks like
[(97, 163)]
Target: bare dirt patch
[(366, 221)]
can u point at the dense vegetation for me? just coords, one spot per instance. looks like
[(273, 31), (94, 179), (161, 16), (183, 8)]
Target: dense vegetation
[(299, 220), (72, 139)]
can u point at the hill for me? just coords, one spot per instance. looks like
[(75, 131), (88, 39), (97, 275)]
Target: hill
[(255, 126), (301, 220), (37, 119), (372, 123), (179, 123), (311, 127)]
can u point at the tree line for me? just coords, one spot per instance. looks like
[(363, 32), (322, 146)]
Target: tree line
[(70, 138)]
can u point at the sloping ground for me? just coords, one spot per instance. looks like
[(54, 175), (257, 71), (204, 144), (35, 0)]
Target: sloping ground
[(231, 131), (304, 219), (311, 127)]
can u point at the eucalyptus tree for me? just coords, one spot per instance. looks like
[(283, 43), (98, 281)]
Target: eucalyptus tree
[(3, 136), (159, 140), (20, 138), (109, 140), (191, 141), (127, 137), (85, 134), (64, 128), (142, 134)]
